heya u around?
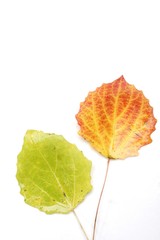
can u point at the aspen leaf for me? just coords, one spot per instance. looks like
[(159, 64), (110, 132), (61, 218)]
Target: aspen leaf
[(54, 176), (116, 119)]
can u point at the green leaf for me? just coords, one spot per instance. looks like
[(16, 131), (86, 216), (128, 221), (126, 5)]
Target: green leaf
[(54, 176)]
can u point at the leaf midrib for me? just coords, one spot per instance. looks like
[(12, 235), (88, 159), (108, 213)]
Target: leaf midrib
[(55, 177)]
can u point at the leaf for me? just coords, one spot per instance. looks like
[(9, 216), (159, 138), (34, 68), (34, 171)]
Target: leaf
[(54, 176), (116, 119)]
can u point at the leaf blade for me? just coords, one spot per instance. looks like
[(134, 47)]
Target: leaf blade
[(50, 173), (116, 119)]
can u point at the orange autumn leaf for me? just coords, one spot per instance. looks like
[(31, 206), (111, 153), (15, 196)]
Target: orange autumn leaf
[(116, 119)]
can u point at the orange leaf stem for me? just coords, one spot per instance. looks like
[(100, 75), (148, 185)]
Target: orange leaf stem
[(99, 202)]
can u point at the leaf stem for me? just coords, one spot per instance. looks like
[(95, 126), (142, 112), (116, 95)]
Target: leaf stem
[(80, 225), (99, 202)]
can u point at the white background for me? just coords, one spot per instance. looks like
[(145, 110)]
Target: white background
[(52, 53)]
